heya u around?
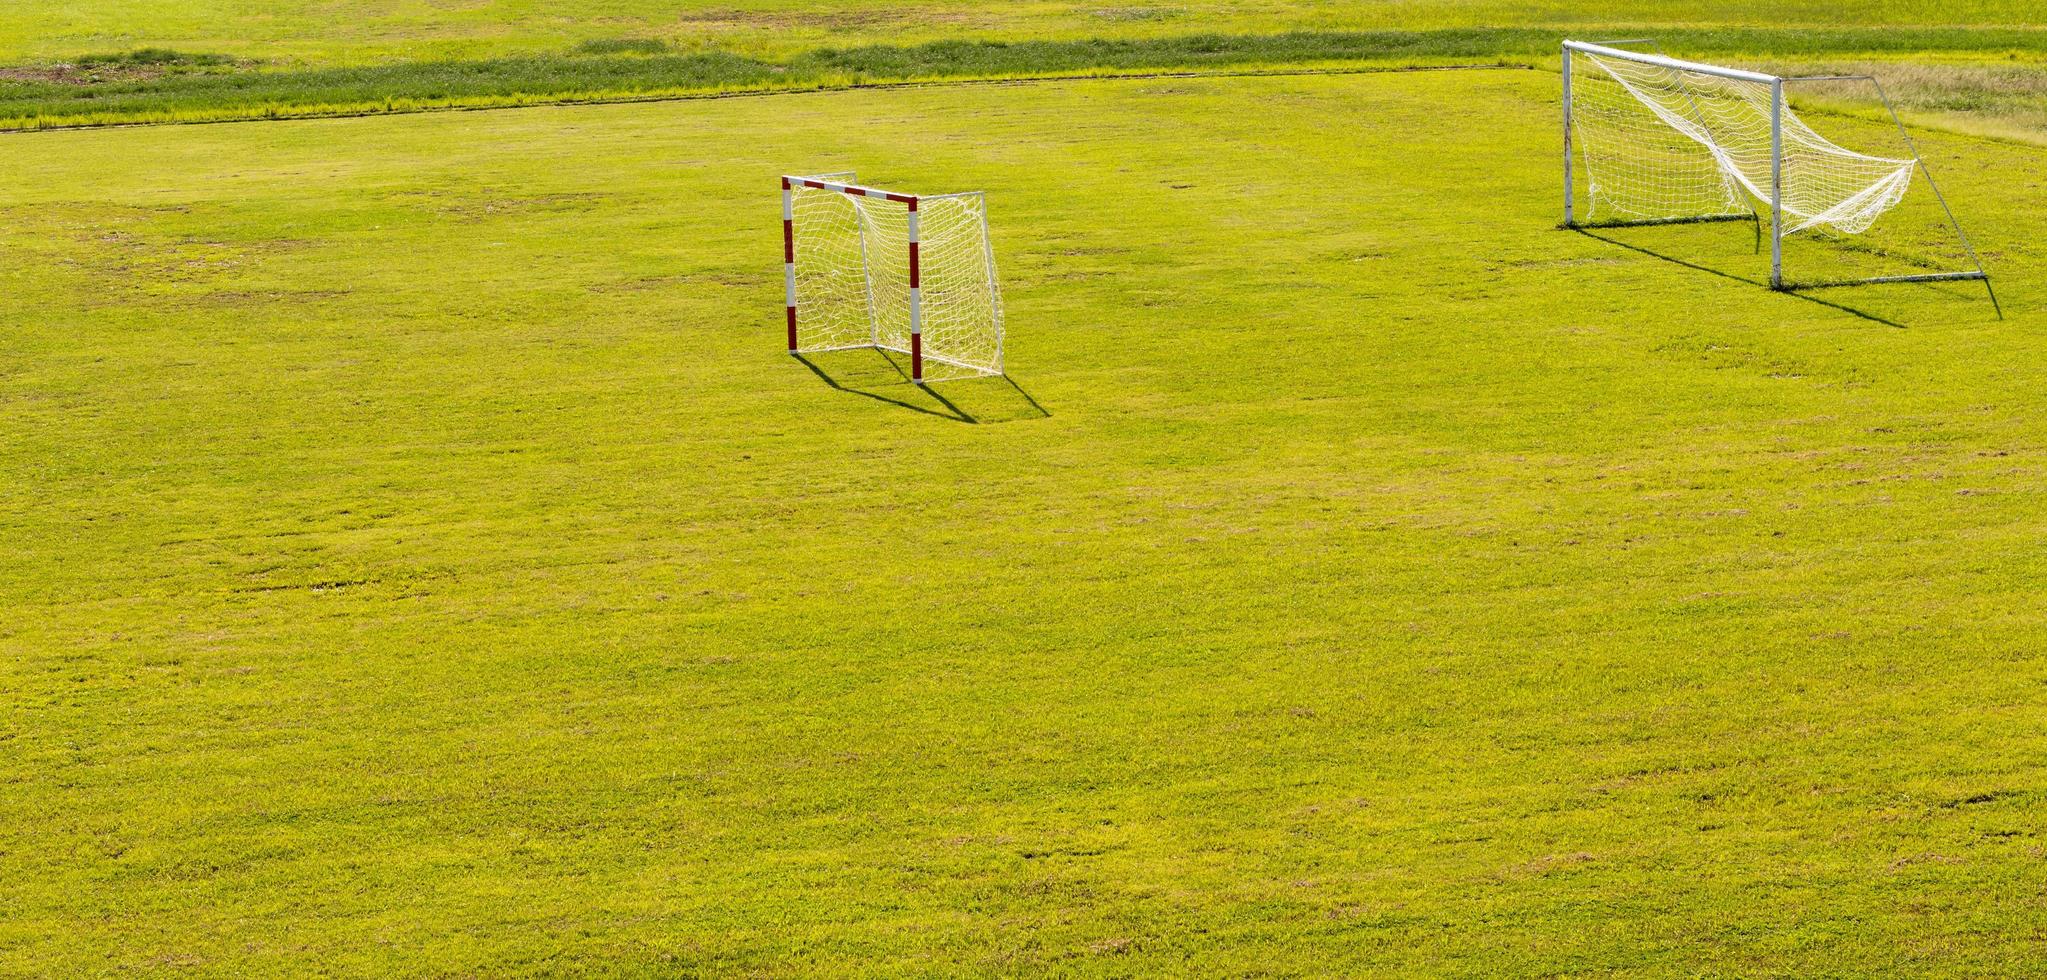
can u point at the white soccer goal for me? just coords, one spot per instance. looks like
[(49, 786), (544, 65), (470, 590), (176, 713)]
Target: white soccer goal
[(1666, 141), (907, 273)]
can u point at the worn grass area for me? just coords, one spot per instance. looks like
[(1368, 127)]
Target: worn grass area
[(422, 559)]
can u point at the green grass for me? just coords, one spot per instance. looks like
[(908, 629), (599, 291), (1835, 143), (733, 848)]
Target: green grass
[(421, 558), (409, 86)]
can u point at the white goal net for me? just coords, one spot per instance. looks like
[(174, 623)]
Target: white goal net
[(1663, 141), (1671, 140), (913, 274)]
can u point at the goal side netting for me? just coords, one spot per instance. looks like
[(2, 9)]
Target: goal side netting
[(912, 274), (1662, 142)]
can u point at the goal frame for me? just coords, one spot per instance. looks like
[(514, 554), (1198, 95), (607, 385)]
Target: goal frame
[(790, 185), (1777, 108)]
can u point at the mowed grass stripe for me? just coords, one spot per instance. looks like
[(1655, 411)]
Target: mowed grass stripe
[(424, 557)]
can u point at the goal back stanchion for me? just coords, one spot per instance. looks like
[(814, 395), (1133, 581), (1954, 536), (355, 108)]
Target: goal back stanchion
[(912, 274), (1777, 183), (1665, 141)]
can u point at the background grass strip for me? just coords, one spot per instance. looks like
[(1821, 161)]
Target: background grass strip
[(167, 86)]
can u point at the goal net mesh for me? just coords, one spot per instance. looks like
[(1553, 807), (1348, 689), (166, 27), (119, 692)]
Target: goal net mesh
[(1662, 143), (853, 278)]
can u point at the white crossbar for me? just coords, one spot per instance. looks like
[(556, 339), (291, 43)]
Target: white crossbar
[(1672, 63)]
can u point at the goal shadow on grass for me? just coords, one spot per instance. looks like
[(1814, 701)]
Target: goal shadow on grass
[(1606, 235), (884, 376)]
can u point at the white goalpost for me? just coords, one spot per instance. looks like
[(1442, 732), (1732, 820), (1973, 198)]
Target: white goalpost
[(1665, 141), (909, 273)]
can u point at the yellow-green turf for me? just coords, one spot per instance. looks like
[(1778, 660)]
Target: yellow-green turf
[(421, 558), (361, 31)]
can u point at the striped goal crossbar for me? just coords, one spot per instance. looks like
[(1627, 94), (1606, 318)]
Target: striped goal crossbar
[(1664, 140), (909, 273)]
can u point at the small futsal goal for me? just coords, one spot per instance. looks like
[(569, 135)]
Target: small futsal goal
[(1665, 141), (908, 273)]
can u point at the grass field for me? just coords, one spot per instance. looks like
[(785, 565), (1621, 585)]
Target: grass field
[(422, 559)]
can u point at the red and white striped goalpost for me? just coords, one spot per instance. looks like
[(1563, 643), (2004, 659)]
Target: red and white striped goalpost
[(789, 257), (909, 201)]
